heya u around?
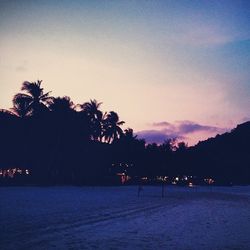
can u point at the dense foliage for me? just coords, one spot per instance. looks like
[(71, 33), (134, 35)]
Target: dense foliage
[(60, 142)]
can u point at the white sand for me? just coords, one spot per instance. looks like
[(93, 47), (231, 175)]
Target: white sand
[(115, 218)]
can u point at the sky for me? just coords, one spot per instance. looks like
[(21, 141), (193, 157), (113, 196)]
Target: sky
[(168, 68)]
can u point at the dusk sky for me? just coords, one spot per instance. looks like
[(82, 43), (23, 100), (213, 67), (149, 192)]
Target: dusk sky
[(168, 68)]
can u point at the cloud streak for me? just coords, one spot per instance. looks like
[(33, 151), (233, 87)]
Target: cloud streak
[(180, 130), (187, 127), (154, 136)]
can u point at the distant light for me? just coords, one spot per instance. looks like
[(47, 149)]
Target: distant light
[(121, 174), (209, 181), (190, 184)]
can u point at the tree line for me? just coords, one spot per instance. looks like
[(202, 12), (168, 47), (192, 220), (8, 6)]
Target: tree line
[(60, 142)]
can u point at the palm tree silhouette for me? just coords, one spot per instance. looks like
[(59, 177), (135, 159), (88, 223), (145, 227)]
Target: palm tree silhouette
[(20, 106), (95, 117), (62, 122), (129, 134), (61, 105), (35, 99), (112, 127)]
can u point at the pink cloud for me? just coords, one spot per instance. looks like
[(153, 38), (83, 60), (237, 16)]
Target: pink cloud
[(180, 130)]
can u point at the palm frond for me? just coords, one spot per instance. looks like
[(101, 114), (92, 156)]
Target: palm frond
[(45, 96), (33, 88), (120, 123), (20, 97)]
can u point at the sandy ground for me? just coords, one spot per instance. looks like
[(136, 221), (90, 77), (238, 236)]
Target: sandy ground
[(115, 218)]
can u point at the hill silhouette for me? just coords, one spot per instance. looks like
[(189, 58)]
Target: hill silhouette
[(225, 157)]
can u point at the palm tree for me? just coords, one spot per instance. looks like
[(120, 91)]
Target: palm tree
[(129, 134), (34, 97), (112, 127), (20, 106), (62, 126), (61, 105), (95, 117)]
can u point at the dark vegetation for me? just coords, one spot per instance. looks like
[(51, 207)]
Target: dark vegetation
[(55, 142)]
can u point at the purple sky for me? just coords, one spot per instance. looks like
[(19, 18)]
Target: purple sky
[(169, 68)]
